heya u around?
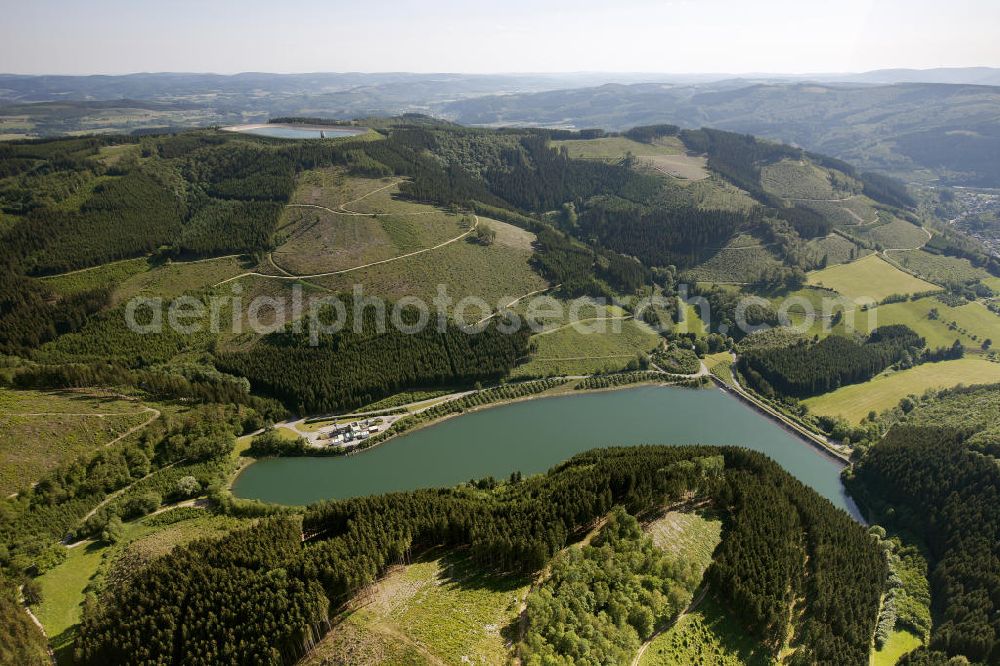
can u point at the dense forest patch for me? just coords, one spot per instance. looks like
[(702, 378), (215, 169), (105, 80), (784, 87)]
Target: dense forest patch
[(808, 369), (946, 491), (355, 367)]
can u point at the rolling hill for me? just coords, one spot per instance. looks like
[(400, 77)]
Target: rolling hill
[(145, 433), (922, 131)]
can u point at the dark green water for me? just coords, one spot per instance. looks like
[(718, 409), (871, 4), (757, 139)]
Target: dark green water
[(533, 436)]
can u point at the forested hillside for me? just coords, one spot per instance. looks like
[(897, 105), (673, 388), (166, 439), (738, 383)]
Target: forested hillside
[(360, 365), (600, 225), (943, 120), (928, 477), (357, 539), (808, 369), (948, 129), (704, 215)]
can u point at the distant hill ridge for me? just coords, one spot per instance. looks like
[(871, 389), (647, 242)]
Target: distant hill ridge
[(937, 125)]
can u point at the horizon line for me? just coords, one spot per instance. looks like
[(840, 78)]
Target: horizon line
[(733, 74)]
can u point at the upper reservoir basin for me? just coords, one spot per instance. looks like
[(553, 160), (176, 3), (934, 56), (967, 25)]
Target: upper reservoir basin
[(294, 132), (534, 435)]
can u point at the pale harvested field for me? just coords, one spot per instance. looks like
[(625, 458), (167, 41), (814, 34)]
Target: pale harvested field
[(666, 155), (685, 167), (335, 223)]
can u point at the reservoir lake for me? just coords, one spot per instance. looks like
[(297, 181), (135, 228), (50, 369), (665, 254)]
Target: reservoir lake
[(284, 132), (532, 436)]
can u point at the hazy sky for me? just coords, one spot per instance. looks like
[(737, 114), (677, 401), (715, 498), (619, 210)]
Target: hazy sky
[(226, 36)]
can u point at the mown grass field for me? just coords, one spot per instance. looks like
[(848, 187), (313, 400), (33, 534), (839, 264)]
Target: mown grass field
[(899, 643), (855, 401), (938, 268), (286, 434), (971, 323), (63, 588), (41, 430), (436, 610), (693, 322), (707, 636), (868, 278)]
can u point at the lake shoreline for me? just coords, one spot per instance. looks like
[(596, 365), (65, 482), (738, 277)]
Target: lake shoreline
[(558, 392), (533, 438), (787, 424)]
